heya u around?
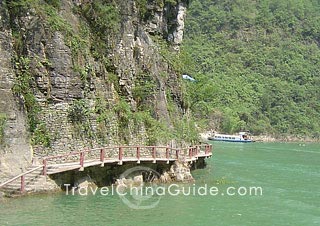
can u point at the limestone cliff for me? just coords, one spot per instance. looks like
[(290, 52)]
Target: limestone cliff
[(84, 73), (14, 145)]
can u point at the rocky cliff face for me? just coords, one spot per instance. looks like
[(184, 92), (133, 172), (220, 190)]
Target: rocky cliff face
[(84, 73), (14, 146)]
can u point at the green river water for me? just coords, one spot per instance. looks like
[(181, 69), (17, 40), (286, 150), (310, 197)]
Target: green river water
[(288, 173)]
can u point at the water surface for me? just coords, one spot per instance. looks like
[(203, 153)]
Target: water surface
[(289, 175)]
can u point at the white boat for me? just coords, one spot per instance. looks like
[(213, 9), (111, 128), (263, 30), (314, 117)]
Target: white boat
[(243, 137)]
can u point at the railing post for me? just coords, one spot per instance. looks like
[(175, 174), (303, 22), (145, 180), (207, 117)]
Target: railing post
[(81, 161), (206, 149), (102, 157), (44, 170), (154, 154), (120, 155), (22, 186), (138, 154), (190, 153), (167, 154), (177, 154)]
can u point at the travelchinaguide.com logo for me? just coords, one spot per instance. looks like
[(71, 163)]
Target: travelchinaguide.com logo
[(141, 188)]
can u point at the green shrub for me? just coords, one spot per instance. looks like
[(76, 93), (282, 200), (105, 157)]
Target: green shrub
[(142, 7), (18, 7), (124, 115), (55, 3), (79, 114), (41, 136), (104, 16), (3, 121), (172, 2), (158, 131), (78, 111), (145, 87), (23, 88)]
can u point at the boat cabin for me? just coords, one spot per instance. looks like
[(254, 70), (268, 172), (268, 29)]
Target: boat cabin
[(241, 137)]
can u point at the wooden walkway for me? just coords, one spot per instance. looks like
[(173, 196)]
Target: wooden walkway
[(114, 155)]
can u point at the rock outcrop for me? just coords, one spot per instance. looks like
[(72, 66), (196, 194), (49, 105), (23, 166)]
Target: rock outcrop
[(85, 182), (179, 172), (130, 182)]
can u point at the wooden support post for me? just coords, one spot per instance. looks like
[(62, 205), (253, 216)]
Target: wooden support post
[(167, 154), (120, 155), (138, 155), (22, 186), (81, 161), (190, 153), (206, 149), (44, 170), (154, 156), (102, 157)]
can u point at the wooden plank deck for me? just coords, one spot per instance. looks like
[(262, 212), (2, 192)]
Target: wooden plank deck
[(97, 157)]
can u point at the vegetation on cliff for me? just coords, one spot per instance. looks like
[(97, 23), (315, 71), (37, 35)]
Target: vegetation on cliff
[(78, 67), (256, 64)]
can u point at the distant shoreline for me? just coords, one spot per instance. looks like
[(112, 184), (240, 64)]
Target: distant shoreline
[(287, 139), (269, 138)]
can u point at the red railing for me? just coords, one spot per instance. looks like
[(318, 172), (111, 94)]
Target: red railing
[(120, 154), (22, 179), (129, 152)]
